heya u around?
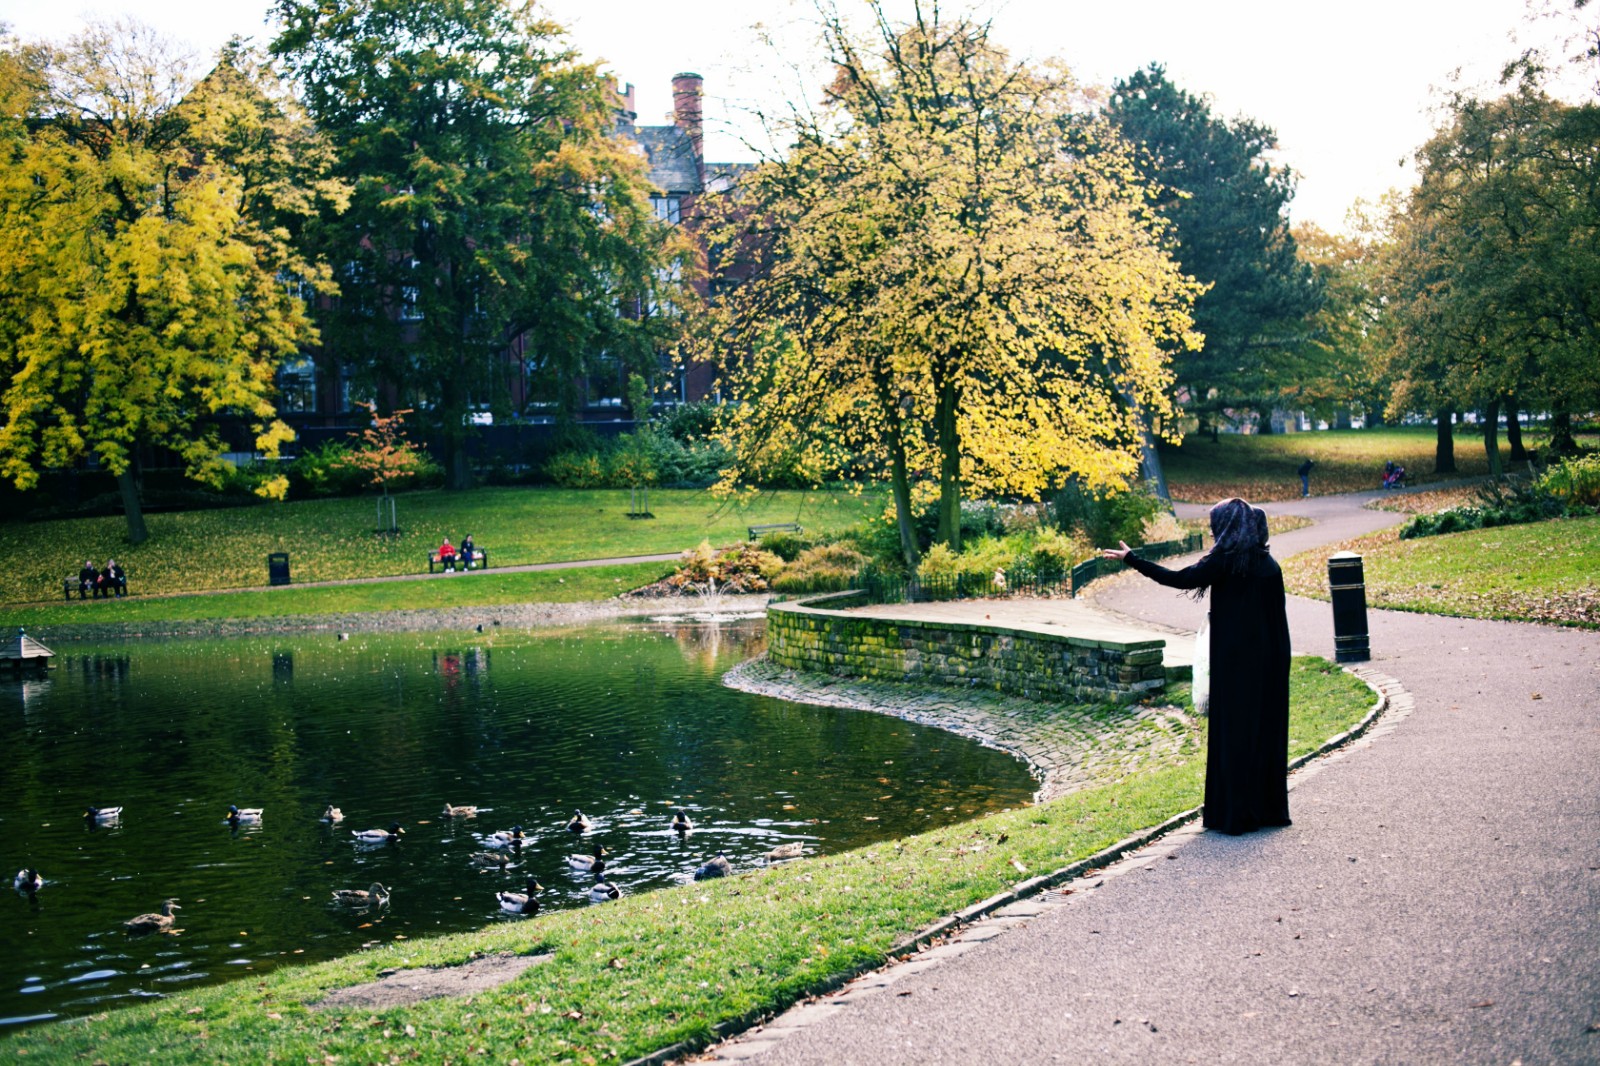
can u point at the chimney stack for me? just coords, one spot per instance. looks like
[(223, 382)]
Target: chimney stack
[(686, 114)]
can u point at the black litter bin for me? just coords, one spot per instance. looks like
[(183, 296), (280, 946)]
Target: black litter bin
[(278, 568), (1348, 589)]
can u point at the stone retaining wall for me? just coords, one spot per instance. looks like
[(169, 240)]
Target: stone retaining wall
[(810, 636)]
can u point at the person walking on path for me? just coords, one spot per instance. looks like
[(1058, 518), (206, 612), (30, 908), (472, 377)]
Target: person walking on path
[(1248, 736), (1305, 476)]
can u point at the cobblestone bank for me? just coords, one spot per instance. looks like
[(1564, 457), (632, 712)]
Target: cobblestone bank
[(1067, 746), (1035, 665)]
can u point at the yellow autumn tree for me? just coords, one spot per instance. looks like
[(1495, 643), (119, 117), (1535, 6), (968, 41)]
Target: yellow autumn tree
[(149, 285), (954, 279)]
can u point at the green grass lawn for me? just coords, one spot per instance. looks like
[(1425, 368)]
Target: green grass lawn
[(1348, 460), (478, 589), (335, 539), (1540, 572), (631, 977)]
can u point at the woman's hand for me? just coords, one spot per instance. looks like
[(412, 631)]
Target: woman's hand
[(1118, 554)]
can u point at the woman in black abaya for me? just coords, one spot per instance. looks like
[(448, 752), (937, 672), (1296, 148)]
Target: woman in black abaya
[(1248, 747)]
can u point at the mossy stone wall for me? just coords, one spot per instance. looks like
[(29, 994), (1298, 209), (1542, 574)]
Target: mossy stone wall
[(814, 636)]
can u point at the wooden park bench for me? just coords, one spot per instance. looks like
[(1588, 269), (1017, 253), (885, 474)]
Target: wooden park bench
[(480, 560), (774, 527)]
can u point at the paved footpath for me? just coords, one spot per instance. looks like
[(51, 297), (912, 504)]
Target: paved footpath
[(1437, 899)]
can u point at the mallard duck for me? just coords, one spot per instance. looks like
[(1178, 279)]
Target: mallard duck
[(505, 838), (681, 823), (332, 814), (238, 816), (792, 850), (603, 889), (150, 923), (376, 896), (459, 812), (379, 836), (593, 863), (717, 867), (487, 859), (521, 902), (28, 881), (103, 814), (580, 823)]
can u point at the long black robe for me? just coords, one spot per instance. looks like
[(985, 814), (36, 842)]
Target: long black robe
[(1247, 751)]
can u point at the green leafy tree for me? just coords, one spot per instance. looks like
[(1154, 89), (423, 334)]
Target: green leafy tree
[(490, 200), (1228, 205), (144, 247), (954, 271), (1337, 366), (1494, 278)]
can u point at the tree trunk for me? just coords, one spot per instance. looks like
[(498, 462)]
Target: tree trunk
[(1150, 462), (900, 484), (128, 483), (458, 474), (949, 438), (1561, 442), (1491, 438), (1149, 457), (1519, 454), (1444, 449)]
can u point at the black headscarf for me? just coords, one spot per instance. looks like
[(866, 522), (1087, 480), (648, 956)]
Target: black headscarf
[(1233, 528)]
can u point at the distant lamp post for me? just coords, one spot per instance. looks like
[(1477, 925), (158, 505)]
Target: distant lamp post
[(1348, 587)]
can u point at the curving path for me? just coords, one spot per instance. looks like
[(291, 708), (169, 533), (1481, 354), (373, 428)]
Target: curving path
[(1436, 901)]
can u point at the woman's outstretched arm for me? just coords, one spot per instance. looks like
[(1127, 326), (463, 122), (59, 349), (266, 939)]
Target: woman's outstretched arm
[(1200, 575)]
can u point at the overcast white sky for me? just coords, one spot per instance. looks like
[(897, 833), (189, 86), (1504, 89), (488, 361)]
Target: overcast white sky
[(1348, 87)]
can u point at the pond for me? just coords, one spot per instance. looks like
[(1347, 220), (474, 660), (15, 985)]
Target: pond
[(630, 724)]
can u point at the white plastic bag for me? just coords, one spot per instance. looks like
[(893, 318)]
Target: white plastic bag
[(1202, 668)]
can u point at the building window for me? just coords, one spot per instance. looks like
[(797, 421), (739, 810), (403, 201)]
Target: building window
[(667, 208), (297, 386)]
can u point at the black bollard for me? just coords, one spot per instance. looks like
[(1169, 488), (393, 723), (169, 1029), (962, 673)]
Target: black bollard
[(1349, 589)]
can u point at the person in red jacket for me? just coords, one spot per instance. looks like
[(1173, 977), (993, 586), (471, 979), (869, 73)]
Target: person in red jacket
[(447, 556)]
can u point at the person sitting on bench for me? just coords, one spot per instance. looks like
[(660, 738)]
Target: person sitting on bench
[(113, 582), (88, 579), (447, 556), (466, 552)]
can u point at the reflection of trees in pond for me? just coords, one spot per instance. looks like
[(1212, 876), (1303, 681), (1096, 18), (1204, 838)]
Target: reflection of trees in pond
[(703, 645), (282, 667)]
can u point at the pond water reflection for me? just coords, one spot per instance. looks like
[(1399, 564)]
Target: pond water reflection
[(628, 723)]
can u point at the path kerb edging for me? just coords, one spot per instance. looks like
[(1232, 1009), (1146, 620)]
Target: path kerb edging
[(1389, 694)]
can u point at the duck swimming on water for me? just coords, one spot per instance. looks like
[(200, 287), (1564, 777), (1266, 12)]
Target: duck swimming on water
[(459, 812), (238, 816), (580, 823), (681, 823), (28, 881), (150, 923), (506, 838), (603, 890), (379, 836), (332, 814), (103, 814), (593, 863), (521, 902), (376, 896)]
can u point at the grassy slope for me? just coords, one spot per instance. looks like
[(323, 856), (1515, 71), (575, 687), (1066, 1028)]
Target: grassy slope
[(479, 589), (334, 539), (1542, 572), (630, 977), (1263, 468)]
